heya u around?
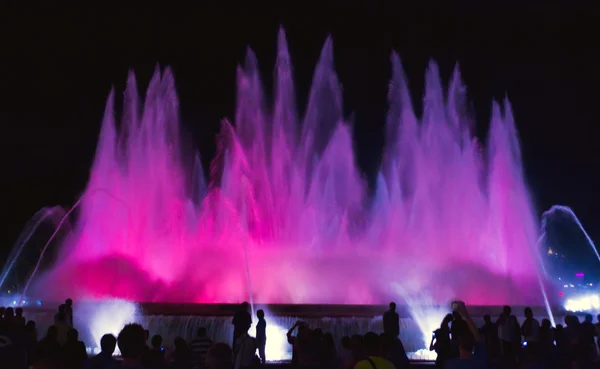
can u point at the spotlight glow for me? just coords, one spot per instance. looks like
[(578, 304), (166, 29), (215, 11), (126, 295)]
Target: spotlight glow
[(422, 355), (582, 303), (277, 348), (107, 316)]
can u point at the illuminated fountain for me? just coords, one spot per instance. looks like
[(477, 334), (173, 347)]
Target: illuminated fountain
[(286, 207), (571, 252)]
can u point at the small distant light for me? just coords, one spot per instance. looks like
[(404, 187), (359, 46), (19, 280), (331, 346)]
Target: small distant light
[(14, 302), (23, 302), (579, 275), (8, 291), (559, 279), (38, 303), (561, 294), (566, 286)]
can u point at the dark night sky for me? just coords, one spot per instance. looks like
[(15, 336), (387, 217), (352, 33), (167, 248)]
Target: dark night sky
[(59, 65)]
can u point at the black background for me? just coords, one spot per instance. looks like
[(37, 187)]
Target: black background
[(59, 65)]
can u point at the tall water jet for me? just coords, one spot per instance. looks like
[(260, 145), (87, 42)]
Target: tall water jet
[(449, 218)]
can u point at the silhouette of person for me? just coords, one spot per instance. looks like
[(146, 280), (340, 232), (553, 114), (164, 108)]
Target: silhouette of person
[(131, 343), (530, 330), (394, 350), (74, 353), (200, 346), (587, 332), (155, 358), (19, 318), (241, 321), (374, 357), (219, 356), (181, 358), (62, 324), (31, 340), (391, 321), (48, 349), (441, 343), (459, 326), (244, 351), (69, 311), (261, 335), (8, 320), (104, 359), (489, 333), (509, 333)]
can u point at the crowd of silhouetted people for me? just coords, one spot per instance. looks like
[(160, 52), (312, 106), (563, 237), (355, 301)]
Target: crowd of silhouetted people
[(506, 343), (458, 342), (61, 348)]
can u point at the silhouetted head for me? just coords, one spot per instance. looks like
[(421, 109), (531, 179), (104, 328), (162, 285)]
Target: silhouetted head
[(108, 343), (245, 306), (30, 326), (9, 312), (528, 313), (132, 341), (19, 311), (506, 310), (392, 306), (487, 318), (589, 318), (62, 308), (72, 335), (219, 356), (69, 302), (260, 313), (371, 342), (571, 320), (156, 341), (52, 332), (546, 324), (180, 344), (202, 332)]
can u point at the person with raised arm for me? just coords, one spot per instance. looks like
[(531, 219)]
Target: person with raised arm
[(471, 349), (441, 343)]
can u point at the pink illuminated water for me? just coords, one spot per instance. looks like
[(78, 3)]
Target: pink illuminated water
[(449, 217)]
